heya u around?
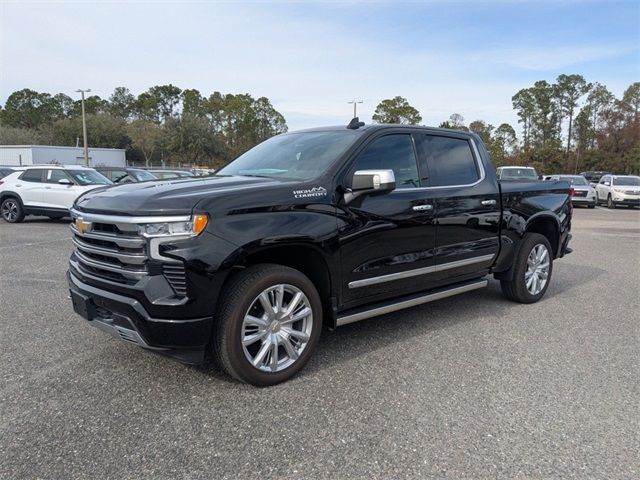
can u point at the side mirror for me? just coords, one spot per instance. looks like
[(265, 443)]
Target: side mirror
[(371, 181), (65, 181), (607, 183)]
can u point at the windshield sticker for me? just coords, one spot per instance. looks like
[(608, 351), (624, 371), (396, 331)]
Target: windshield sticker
[(310, 192)]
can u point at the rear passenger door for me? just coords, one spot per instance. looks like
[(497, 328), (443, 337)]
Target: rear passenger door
[(467, 204), (30, 187)]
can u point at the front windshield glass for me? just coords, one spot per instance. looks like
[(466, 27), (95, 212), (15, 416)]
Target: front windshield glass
[(298, 156), (142, 175), (575, 180), (518, 174), (627, 181), (89, 177)]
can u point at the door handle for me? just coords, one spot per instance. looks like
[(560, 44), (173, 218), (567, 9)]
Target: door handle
[(422, 208), (488, 202)]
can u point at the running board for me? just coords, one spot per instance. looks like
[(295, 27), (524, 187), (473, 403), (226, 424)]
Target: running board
[(411, 302)]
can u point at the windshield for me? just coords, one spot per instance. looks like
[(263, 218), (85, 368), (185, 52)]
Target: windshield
[(518, 174), (575, 180), (297, 156), (627, 181), (89, 177), (142, 175)]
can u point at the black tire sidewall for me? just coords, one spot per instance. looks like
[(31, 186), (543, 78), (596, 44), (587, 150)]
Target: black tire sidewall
[(20, 216), (234, 315)]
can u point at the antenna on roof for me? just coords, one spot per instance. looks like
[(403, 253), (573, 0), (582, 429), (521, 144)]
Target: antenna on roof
[(355, 124)]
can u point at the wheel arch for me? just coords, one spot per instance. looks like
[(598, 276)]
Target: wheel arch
[(305, 258), (10, 194), (547, 225)]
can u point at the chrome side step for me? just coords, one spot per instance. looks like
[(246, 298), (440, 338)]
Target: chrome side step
[(411, 302)]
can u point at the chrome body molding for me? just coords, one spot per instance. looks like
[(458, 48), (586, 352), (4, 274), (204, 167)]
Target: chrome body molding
[(419, 271), (402, 304), (113, 219)]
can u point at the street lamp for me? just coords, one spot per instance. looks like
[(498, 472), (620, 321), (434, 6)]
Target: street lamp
[(84, 128), (354, 106)]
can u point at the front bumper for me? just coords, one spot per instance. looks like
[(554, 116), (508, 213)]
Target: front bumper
[(626, 200), (125, 318), (583, 200)]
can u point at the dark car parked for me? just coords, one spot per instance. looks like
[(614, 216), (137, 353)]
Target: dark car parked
[(329, 225), (126, 175)]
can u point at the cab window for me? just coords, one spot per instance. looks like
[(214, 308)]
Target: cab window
[(449, 161), (54, 175), (391, 152)]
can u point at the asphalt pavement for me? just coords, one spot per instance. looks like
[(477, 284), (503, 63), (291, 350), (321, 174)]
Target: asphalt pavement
[(469, 387)]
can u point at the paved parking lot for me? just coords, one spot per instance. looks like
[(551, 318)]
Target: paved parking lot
[(470, 387)]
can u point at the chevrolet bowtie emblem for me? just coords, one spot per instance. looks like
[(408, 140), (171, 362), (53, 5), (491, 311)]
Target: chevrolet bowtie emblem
[(82, 226)]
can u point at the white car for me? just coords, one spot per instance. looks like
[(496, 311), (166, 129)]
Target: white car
[(619, 190), (584, 194), (47, 190)]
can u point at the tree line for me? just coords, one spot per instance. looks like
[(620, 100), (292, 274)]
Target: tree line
[(162, 125), (567, 126)]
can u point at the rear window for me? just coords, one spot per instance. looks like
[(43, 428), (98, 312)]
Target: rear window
[(518, 174), (32, 175), (450, 161)]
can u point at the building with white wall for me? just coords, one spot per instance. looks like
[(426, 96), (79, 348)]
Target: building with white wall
[(16, 155)]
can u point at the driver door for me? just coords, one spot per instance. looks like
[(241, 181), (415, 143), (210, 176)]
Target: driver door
[(388, 239)]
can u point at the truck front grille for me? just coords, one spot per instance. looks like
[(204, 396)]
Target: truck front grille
[(115, 252)]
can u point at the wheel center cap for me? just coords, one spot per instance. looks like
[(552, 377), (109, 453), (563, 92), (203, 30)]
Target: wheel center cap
[(275, 327)]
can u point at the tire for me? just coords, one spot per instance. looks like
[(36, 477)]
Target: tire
[(11, 210), (517, 289), (242, 316), (610, 203), (591, 206)]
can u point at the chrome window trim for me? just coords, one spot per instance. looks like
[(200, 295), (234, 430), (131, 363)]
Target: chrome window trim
[(365, 282), (477, 158), (94, 217)]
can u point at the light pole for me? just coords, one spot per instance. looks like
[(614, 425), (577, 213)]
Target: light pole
[(355, 103), (84, 128)]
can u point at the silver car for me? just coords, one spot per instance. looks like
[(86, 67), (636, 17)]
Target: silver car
[(584, 194)]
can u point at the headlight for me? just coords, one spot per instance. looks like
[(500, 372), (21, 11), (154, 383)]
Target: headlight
[(194, 227), (618, 190)]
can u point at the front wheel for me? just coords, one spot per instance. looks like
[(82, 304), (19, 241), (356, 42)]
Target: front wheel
[(268, 324), (11, 210), (610, 203), (532, 270)]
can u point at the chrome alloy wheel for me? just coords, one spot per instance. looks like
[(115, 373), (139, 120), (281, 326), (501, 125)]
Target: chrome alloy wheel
[(277, 328), (537, 269), (10, 210)]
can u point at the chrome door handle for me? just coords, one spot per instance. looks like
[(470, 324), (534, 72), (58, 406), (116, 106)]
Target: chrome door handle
[(422, 208), (488, 202)]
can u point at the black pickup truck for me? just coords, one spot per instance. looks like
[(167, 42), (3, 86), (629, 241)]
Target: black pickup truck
[(323, 226)]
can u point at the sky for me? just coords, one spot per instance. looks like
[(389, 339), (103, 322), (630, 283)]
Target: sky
[(311, 58)]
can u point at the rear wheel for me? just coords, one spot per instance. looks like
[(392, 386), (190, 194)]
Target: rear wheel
[(532, 270), (11, 210), (268, 324)]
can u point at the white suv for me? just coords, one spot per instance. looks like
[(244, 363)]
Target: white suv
[(619, 190), (45, 190)]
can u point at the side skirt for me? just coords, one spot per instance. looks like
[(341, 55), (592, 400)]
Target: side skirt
[(407, 302)]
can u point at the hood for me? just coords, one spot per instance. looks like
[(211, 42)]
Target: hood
[(169, 197)]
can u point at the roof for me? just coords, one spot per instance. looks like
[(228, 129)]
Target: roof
[(383, 126), (52, 166)]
